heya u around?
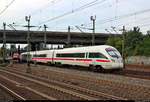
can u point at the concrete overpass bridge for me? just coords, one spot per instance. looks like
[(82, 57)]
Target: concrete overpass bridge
[(76, 38)]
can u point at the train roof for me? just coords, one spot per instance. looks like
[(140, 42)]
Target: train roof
[(75, 48), (87, 48), (98, 46)]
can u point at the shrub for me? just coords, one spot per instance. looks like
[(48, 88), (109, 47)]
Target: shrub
[(1, 61), (142, 63), (3, 64)]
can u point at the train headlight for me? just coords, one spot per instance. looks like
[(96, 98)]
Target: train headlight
[(112, 60)]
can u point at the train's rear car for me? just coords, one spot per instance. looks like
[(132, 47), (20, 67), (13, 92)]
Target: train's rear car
[(16, 56)]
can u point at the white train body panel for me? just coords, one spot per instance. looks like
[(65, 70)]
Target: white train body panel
[(105, 56), (45, 57)]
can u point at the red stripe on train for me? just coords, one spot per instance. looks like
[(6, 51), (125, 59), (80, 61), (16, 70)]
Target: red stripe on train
[(83, 59), (70, 59), (102, 60)]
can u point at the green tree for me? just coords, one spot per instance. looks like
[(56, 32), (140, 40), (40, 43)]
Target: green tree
[(115, 42), (136, 44), (146, 45), (3, 52), (13, 47), (133, 40)]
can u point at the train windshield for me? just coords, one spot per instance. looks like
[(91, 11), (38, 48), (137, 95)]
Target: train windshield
[(112, 52)]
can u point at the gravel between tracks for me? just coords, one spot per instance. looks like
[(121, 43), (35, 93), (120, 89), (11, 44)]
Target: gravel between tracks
[(42, 70), (4, 96), (106, 76), (20, 90), (41, 88)]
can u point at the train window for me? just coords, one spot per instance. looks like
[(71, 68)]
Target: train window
[(34, 55), (102, 56), (40, 55), (113, 52), (58, 55), (43, 55), (97, 55), (93, 55), (77, 55), (25, 55)]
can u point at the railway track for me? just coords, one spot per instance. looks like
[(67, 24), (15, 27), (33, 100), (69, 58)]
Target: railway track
[(19, 91), (11, 93), (99, 81), (138, 66), (82, 93), (133, 74), (107, 84), (128, 72), (43, 85)]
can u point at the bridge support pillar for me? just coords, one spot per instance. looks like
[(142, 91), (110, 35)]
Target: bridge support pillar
[(35, 46)]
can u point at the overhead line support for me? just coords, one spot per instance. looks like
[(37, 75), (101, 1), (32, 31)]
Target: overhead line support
[(27, 18), (69, 37), (4, 42), (45, 36), (93, 35), (123, 45)]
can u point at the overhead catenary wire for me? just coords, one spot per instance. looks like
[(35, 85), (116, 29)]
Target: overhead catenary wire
[(40, 9), (44, 6), (123, 16), (7, 7), (109, 6), (143, 25), (103, 21), (133, 22), (95, 2)]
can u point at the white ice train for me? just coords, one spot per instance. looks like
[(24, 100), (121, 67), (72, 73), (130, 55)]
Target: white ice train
[(98, 57)]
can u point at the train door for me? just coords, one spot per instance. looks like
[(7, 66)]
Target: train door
[(93, 58), (53, 56), (86, 61)]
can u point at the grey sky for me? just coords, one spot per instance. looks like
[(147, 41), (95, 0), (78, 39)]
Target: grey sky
[(43, 10)]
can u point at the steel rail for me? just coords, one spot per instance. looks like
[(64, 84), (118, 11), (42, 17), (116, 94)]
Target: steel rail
[(12, 93), (92, 92), (53, 87), (32, 90)]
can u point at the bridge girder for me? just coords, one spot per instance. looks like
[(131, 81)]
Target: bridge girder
[(77, 38)]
